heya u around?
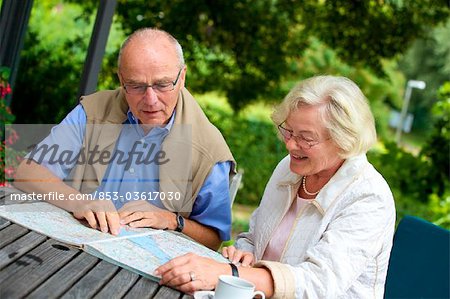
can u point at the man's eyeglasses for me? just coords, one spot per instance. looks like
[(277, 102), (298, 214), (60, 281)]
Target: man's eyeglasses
[(140, 89), (299, 139)]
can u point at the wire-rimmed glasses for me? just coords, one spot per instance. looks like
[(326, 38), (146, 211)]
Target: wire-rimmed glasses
[(299, 139), (140, 89)]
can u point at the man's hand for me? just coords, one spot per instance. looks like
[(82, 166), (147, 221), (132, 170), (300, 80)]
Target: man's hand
[(100, 214), (235, 256), (143, 214)]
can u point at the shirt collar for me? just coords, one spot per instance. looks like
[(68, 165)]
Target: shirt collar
[(133, 120), (348, 173)]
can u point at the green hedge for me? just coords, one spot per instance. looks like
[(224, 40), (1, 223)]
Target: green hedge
[(253, 141)]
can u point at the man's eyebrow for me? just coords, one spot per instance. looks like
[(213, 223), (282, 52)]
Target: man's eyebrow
[(132, 81), (165, 79)]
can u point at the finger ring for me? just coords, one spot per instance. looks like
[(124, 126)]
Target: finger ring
[(192, 275)]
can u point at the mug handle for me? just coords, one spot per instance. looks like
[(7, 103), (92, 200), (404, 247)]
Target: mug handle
[(207, 294), (263, 296)]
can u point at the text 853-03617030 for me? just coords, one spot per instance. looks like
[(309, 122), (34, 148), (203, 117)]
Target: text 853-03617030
[(137, 195), (97, 195)]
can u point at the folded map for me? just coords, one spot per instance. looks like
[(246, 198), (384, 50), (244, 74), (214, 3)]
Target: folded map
[(140, 250)]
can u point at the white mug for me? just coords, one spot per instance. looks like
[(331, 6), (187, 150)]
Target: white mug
[(236, 288)]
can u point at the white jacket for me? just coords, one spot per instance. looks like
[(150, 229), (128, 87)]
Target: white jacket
[(340, 243)]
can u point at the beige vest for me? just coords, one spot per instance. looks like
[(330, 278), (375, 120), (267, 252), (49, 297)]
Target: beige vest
[(192, 147)]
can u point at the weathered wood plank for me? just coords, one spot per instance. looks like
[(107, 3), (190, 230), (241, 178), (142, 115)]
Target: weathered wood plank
[(186, 296), (5, 193), (16, 249), (33, 268), (11, 233), (118, 286), (166, 292), (93, 281), (4, 223), (65, 278), (144, 288)]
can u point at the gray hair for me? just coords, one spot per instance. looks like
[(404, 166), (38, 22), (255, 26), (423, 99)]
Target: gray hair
[(344, 111), (152, 34)]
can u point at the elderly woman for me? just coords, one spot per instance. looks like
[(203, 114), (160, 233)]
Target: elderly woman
[(325, 223)]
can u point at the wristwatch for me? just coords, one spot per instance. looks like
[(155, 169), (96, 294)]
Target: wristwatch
[(180, 223)]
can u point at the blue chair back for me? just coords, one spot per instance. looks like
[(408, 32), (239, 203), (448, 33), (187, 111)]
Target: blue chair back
[(419, 264)]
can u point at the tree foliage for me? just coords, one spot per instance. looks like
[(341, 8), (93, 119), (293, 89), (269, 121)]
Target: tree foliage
[(245, 47), (422, 180), (241, 47), (366, 32), (428, 60), (52, 61), (437, 148), (430, 168)]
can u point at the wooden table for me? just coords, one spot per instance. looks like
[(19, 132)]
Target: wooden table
[(35, 266)]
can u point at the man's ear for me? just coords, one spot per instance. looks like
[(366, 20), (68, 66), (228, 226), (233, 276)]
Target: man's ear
[(183, 75), (120, 77)]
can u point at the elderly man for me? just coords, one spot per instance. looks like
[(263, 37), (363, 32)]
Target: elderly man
[(145, 152)]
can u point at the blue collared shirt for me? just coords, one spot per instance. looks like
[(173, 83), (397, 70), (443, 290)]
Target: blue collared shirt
[(212, 205)]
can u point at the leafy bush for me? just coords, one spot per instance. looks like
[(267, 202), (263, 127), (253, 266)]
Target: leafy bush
[(421, 184), (253, 141), (240, 225), (5, 117), (405, 173), (440, 208), (5, 113), (9, 158), (52, 59), (437, 149)]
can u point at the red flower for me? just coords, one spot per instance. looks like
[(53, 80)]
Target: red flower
[(12, 138), (4, 90), (5, 184), (10, 171), (7, 164)]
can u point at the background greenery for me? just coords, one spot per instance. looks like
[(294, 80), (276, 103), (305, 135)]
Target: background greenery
[(244, 55)]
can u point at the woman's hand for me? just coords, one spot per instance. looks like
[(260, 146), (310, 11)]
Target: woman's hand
[(190, 272), (235, 256)]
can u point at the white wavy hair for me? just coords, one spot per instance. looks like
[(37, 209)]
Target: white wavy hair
[(344, 110)]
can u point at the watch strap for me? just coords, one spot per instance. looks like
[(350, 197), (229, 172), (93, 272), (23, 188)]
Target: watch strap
[(234, 270), (180, 223)]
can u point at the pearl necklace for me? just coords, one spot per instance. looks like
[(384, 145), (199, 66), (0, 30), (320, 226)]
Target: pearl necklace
[(304, 188)]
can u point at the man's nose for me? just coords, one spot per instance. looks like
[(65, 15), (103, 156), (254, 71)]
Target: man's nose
[(150, 96)]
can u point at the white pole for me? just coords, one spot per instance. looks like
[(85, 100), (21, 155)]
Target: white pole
[(406, 98), (409, 86)]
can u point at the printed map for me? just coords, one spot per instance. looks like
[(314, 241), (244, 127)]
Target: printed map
[(52, 221), (140, 250)]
